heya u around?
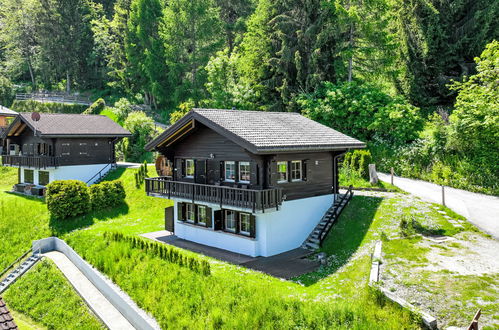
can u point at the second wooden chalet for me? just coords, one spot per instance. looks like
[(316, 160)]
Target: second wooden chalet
[(6, 117), (252, 182), (49, 147)]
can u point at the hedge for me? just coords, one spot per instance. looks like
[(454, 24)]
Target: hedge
[(162, 251), (67, 198), (95, 108), (106, 194), (358, 161), (70, 198), (46, 107)]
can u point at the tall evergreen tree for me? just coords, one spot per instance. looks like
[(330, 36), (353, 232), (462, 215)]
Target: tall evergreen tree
[(191, 32), (234, 14)]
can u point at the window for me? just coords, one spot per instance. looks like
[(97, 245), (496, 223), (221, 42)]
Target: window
[(43, 178), (282, 172), (202, 216), (230, 221), (244, 172), (244, 223), (83, 149), (28, 176), (189, 168), (190, 215), (296, 170), (230, 171), (65, 149)]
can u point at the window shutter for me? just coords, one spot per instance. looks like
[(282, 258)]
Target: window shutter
[(222, 171), (288, 169), (236, 172), (304, 170), (217, 217), (182, 167), (181, 211), (196, 213), (252, 225), (209, 216), (253, 173)]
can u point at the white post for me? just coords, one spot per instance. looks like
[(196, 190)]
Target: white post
[(391, 170), (443, 195)]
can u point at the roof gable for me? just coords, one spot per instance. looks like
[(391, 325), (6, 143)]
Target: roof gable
[(7, 112), (265, 132), (68, 125)]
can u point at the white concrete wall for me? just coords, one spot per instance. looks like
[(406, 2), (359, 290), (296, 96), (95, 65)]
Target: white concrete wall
[(76, 172), (276, 231), (123, 303)]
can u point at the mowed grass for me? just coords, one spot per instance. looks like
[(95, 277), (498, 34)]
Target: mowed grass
[(44, 295), (232, 297)]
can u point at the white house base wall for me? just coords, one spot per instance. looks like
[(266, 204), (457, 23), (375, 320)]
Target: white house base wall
[(276, 231), (76, 172)]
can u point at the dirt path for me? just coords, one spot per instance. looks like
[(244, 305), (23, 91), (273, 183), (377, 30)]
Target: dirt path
[(481, 210)]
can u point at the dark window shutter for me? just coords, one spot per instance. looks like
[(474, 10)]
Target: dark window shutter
[(209, 216), (217, 217), (253, 173), (252, 226), (304, 170), (196, 213), (222, 171), (289, 171), (182, 167), (236, 178), (181, 211)]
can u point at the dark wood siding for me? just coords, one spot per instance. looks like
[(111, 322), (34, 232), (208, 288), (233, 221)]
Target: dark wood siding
[(84, 151)]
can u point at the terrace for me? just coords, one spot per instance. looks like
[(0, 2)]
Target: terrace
[(30, 161)]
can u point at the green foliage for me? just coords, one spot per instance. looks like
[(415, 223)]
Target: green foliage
[(141, 175), (67, 198), (364, 112), (142, 128), (162, 251), (107, 194), (45, 296), (46, 107), (95, 108), (6, 91), (182, 110)]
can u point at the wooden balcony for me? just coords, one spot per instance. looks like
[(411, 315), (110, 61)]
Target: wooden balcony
[(30, 161), (255, 200)]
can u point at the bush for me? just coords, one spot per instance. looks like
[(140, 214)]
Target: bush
[(67, 198), (46, 107), (142, 128), (358, 161), (6, 91), (96, 107), (107, 194)]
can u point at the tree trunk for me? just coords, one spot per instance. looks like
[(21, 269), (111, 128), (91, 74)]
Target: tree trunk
[(350, 60), (32, 75)]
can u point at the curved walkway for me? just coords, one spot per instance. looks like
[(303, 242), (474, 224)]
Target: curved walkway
[(109, 315), (481, 210)]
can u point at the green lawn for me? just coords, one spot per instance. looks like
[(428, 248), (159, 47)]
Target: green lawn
[(44, 295), (349, 178), (336, 296)]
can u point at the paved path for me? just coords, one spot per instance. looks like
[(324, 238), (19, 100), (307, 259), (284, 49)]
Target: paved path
[(111, 317), (481, 210)]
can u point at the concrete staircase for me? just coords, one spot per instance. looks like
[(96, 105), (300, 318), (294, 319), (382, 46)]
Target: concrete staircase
[(319, 234), (101, 175), (19, 271)]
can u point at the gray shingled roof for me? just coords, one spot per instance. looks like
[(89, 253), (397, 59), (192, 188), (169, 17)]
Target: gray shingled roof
[(6, 320), (7, 112), (264, 132), (55, 124)]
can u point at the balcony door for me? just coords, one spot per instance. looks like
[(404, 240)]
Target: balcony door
[(200, 171)]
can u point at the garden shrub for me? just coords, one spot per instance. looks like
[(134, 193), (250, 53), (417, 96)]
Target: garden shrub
[(163, 251), (46, 107), (67, 198), (141, 174), (107, 194), (96, 107), (358, 161)]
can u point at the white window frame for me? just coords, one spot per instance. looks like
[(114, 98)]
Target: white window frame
[(233, 164), (233, 221), (300, 171), (202, 207), (279, 180), (248, 217), (187, 162), (248, 172), (190, 210)]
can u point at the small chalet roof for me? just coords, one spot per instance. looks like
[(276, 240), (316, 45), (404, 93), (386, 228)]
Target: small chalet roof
[(7, 112), (6, 319), (69, 125), (265, 132)]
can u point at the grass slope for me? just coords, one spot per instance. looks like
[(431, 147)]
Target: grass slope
[(44, 295)]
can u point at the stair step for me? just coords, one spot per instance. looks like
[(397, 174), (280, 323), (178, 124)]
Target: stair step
[(312, 245)]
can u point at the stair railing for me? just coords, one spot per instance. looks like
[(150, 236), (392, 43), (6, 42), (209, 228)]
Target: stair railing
[(14, 263), (336, 213), (100, 172)]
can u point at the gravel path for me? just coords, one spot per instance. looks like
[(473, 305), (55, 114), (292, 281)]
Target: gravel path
[(481, 210)]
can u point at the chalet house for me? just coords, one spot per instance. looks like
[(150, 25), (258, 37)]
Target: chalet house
[(252, 182), (6, 117), (49, 147)]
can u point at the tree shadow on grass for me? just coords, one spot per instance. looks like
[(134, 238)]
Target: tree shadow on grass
[(61, 227), (346, 236)]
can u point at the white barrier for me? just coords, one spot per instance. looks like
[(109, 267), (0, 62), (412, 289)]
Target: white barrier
[(124, 304)]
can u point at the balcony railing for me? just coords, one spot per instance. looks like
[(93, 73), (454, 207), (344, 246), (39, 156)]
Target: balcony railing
[(255, 200), (30, 161)]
